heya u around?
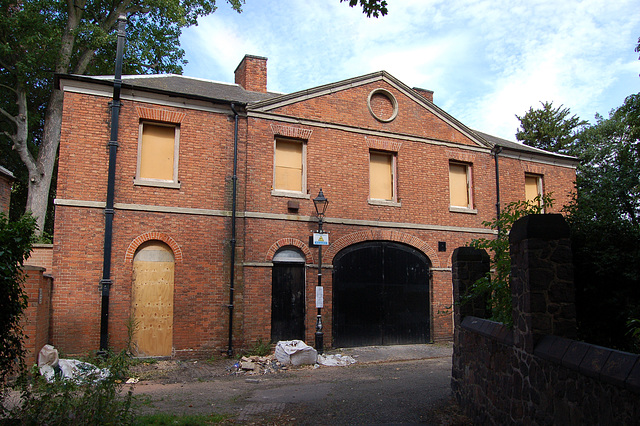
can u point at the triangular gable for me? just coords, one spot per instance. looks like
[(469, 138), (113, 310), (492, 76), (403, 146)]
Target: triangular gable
[(270, 105)]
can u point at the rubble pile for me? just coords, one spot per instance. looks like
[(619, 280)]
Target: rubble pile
[(256, 365)]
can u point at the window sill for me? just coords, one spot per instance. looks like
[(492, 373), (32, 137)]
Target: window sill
[(454, 209), (156, 183), (289, 194), (389, 203)]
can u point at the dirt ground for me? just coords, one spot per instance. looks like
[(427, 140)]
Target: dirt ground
[(375, 392)]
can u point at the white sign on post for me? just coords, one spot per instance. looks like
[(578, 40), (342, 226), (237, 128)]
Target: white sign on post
[(320, 239), (319, 297)]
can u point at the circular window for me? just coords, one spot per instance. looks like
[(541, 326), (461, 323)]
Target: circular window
[(382, 105)]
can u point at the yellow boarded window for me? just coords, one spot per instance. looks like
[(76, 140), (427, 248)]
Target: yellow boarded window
[(288, 166), (380, 175), (532, 187), (157, 152), (459, 185)]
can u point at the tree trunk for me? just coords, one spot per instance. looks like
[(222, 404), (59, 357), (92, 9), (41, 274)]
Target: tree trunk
[(40, 177)]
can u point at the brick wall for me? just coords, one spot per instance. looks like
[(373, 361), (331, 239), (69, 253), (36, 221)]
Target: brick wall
[(38, 288), (5, 193), (535, 373), (194, 218), (41, 255)]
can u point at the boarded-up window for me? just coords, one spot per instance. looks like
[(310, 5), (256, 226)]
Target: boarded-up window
[(157, 152), (533, 187), (289, 165), (381, 175), (460, 185)]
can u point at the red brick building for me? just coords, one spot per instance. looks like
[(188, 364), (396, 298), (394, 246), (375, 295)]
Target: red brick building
[(406, 183), (6, 181)]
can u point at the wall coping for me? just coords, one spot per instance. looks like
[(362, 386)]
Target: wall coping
[(543, 226), (615, 367), (491, 329)]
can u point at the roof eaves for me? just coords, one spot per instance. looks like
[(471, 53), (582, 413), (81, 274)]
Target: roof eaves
[(316, 91), (7, 173), (518, 147), (105, 81)]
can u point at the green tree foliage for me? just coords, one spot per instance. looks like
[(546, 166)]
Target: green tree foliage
[(605, 223), (549, 128), (370, 8), (41, 37), (495, 287), (15, 246)]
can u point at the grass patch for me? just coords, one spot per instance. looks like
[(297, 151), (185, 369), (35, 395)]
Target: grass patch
[(160, 419)]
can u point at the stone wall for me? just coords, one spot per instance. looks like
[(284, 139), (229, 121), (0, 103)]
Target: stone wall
[(536, 373)]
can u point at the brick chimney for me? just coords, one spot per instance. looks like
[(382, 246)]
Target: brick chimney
[(424, 92), (251, 74)]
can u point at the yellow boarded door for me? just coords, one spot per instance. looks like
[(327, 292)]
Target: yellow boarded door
[(152, 299)]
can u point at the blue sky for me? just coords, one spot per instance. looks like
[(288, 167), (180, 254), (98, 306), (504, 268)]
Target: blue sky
[(485, 60)]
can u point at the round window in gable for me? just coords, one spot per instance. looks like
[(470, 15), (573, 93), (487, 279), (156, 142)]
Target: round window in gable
[(382, 105)]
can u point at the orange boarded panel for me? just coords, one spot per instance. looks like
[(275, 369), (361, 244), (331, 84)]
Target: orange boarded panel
[(380, 176), (458, 185), (157, 152), (152, 300), (531, 187), (288, 174)]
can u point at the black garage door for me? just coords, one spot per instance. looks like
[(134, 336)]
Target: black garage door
[(380, 295)]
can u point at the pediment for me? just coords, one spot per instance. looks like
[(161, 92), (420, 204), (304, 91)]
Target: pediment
[(375, 102)]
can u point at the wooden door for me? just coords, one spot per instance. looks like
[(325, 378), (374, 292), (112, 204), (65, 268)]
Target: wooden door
[(287, 302), (380, 295), (152, 299)]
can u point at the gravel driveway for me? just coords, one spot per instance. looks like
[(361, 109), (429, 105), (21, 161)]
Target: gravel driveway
[(387, 385)]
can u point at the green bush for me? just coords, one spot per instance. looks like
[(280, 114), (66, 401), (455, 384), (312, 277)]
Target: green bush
[(495, 286), (15, 246), (88, 401)]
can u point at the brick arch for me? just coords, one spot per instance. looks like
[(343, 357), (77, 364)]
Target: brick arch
[(283, 242), (148, 236), (383, 235)]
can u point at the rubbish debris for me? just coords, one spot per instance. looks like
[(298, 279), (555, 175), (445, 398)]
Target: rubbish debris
[(336, 360), (253, 365), (51, 366), (295, 352)]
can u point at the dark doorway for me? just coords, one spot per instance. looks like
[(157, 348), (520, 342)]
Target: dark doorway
[(380, 295), (287, 301)]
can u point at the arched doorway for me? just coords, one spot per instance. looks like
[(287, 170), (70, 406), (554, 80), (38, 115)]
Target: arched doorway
[(287, 295), (152, 299), (380, 295)]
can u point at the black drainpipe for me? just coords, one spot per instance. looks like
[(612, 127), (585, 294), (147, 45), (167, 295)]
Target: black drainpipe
[(106, 282), (496, 151), (234, 180)]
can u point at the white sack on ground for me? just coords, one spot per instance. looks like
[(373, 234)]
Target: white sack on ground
[(50, 365), (295, 352), (336, 360)]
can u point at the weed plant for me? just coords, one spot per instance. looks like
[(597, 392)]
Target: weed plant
[(89, 400)]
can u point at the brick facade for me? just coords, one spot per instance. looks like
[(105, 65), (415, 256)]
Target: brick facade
[(6, 181), (36, 320), (338, 128)]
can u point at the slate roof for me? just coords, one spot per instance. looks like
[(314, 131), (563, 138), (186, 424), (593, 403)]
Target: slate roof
[(516, 146), (178, 85)]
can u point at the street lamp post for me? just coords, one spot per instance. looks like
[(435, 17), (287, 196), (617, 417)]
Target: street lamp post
[(320, 203)]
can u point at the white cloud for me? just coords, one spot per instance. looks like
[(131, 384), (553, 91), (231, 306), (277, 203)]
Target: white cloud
[(485, 60)]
